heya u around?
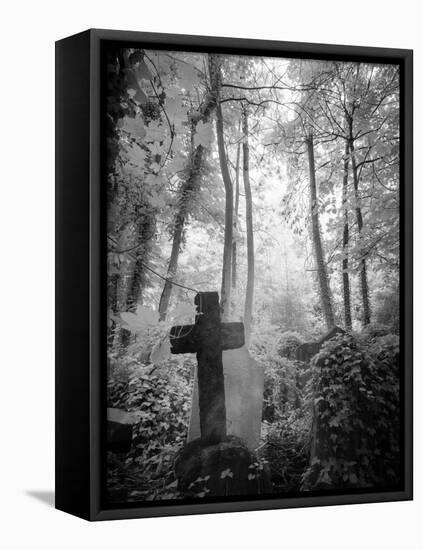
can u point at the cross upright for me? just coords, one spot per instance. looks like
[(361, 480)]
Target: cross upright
[(208, 337)]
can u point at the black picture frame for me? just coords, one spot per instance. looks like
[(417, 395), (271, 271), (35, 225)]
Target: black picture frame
[(80, 268)]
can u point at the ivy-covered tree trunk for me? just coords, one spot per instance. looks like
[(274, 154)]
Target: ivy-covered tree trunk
[(225, 295), (359, 217), (345, 244), (322, 274), (136, 281), (130, 219), (114, 273), (133, 282), (187, 191), (117, 86), (174, 256), (249, 294)]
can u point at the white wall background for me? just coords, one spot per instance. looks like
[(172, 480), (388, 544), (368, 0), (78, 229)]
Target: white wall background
[(28, 31)]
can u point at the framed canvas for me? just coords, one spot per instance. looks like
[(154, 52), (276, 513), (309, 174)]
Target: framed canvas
[(233, 274)]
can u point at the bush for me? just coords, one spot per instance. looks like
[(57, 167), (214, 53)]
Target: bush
[(283, 386), (288, 343), (356, 427), (286, 448), (374, 330), (286, 423), (160, 397)]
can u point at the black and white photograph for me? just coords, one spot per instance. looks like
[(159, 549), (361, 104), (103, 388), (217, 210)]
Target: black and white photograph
[(253, 276), (210, 241)]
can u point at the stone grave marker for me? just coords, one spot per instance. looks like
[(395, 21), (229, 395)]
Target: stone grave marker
[(208, 337), (306, 351), (221, 460)]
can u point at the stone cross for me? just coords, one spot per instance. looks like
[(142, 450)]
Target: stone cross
[(208, 338)]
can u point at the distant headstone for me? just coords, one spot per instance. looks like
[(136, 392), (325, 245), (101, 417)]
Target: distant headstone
[(244, 385), (306, 351)]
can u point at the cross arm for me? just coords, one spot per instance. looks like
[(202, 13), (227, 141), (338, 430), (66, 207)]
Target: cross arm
[(183, 338)]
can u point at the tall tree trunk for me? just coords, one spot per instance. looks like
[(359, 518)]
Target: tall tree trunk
[(122, 233), (363, 267), (225, 295), (138, 233), (236, 209), (317, 239), (345, 244), (127, 282), (288, 305), (173, 265), (249, 294), (145, 231), (115, 89), (188, 189)]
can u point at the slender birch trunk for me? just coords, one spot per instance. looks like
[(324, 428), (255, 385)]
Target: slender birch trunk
[(225, 295), (345, 244), (359, 216), (236, 210), (317, 239), (249, 294)]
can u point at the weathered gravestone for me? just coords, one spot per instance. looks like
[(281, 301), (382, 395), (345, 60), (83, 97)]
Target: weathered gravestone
[(308, 350), (222, 462)]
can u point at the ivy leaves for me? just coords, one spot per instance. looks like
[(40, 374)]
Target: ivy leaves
[(356, 403), (155, 403)]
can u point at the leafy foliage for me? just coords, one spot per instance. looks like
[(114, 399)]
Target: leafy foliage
[(288, 343), (159, 396), (287, 447), (287, 417), (356, 415)]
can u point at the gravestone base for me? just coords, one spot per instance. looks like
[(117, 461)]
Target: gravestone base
[(227, 468)]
